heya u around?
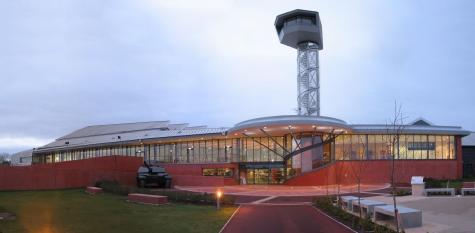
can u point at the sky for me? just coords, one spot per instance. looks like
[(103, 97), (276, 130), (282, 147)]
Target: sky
[(65, 65)]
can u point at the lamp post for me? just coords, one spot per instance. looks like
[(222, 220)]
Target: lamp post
[(218, 197)]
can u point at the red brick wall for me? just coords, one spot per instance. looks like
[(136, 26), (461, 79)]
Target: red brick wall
[(71, 174), (192, 174), (348, 172), (81, 173)]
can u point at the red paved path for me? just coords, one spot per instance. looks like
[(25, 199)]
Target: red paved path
[(282, 218)]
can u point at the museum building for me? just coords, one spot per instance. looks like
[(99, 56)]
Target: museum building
[(291, 149)]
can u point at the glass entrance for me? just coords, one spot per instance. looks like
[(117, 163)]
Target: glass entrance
[(257, 176), (262, 173), (264, 176)]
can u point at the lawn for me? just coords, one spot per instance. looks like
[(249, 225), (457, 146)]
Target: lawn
[(74, 211)]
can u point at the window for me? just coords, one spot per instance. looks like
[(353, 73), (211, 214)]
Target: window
[(203, 156), (452, 148), (431, 150), (226, 172), (439, 154), (339, 147)]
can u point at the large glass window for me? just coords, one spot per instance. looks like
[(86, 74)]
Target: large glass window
[(446, 146), (452, 147), (265, 149), (431, 147)]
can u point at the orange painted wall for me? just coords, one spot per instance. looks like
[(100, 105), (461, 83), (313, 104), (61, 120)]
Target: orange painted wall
[(71, 174)]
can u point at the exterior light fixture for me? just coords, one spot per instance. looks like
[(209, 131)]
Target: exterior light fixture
[(218, 197)]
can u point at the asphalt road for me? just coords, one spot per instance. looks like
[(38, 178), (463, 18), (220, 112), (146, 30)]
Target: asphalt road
[(282, 218)]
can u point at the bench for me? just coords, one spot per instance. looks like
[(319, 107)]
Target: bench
[(450, 191), (147, 199), (408, 217), (366, 206), (467, 191), (347, 201), (93, 190), (467, 188)]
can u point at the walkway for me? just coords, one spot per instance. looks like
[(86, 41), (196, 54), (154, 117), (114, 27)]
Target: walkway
[(282, 190), (260, 218), (282, 208)]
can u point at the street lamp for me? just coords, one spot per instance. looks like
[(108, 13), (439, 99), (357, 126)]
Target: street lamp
[(218, 197)]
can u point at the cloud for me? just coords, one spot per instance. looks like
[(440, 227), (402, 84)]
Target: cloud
[(14, 144), (67, 65)]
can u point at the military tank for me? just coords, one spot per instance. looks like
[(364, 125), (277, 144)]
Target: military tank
[(150, 175)]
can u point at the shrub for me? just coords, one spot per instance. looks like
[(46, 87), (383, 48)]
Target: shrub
[(114, 187), (172, 195), (365, 224), (433, 183), (326, 204), (402, 192)]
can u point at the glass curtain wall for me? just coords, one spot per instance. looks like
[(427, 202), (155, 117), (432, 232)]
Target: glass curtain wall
[(377, 147), (265, 149)]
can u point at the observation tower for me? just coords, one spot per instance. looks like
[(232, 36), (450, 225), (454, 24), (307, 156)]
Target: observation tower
[(302, 30)]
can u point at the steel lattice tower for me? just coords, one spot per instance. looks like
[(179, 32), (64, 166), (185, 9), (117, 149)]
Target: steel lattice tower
[(302, 30)]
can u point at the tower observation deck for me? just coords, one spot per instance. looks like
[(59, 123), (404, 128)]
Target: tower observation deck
[(302, 30)]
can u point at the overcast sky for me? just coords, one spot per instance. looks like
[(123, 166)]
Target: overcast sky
[(68, 64)]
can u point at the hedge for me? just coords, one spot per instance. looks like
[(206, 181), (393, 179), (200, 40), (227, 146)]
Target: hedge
[(172, 194), (326, 204)]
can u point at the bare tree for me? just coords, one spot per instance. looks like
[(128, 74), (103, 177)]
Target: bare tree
[(4, 158), (339, 171), (394, 129), (358, 167)]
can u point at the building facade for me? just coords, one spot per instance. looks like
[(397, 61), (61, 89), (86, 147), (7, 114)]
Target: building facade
[(267, 150), (276, 149)]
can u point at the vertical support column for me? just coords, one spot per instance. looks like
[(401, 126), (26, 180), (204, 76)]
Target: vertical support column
[(459, 156), (308, 79)]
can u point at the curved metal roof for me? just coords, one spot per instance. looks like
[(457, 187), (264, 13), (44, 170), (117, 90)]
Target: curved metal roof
[(290, 120)]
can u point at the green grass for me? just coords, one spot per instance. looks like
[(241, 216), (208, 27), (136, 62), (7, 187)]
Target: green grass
[(74, 211)]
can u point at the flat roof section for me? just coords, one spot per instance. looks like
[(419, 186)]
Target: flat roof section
[(469, 140)]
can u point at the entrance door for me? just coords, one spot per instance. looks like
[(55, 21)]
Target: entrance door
[(264, 176), (261, 176), (258, 176), (262, 173)]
